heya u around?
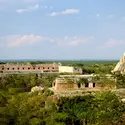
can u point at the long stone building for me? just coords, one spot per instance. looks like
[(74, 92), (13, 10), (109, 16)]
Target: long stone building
[(28, 68), (38, 68)]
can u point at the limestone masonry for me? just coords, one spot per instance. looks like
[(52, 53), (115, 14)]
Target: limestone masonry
[(38, 68), (120, 67)]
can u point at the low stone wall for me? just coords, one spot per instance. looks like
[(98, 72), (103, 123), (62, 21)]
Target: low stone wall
[(65, 86), (105, 86)]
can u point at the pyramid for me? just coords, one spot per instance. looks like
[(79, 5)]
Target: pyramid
[(120, 66)]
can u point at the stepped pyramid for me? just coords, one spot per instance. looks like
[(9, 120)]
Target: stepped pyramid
[(120, 66)]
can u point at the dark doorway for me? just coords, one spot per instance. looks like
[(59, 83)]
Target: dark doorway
[(79, 85), (93, 85), (54, 84), (86, 85), (36, 75)]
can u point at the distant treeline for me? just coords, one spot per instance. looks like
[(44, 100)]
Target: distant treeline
[(61, 61)]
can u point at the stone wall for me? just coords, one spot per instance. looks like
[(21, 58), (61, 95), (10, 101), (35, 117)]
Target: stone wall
[(65, 86), (104, 86), (120, 66), (29, 68)]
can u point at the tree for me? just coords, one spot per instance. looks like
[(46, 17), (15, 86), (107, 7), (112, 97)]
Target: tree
[(110, 108), (104, 81), (82, 81), (93, 109), (120, 80)]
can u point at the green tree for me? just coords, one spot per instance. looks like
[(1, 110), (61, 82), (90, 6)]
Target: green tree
[(82, 81)]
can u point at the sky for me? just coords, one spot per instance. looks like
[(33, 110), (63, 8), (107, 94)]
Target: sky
[(62, 29)]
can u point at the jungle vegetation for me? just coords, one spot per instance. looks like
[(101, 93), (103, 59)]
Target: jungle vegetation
[(18, 106)]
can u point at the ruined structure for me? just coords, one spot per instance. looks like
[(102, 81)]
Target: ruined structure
[(120, 67), (38, 68), (71, 82), (28, 68), (65, 83)]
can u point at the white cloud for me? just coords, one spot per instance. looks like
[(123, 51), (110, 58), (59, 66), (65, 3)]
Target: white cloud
[(17, 40), (113, 43), (65, 12), (23, 40), (32, 8), (75, 41), (8, 5), (78, 41)]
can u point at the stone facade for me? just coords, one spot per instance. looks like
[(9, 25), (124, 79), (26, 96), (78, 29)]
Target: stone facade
[(39, 68), (64, 84), (28, 68), (70, 69), (70, 83), (120, 67)]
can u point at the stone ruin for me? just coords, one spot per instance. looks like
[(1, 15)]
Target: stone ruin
[(120, 66)]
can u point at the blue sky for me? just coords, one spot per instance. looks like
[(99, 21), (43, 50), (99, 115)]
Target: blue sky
[(62, 29)]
